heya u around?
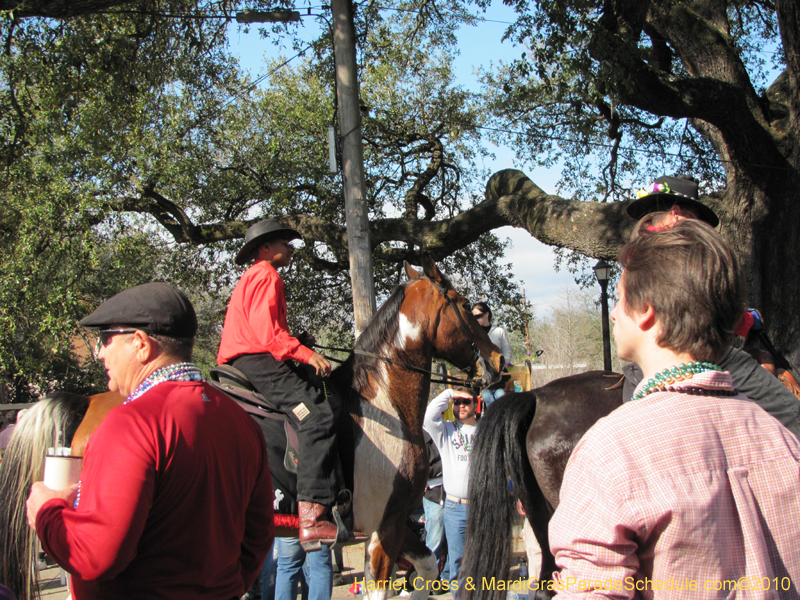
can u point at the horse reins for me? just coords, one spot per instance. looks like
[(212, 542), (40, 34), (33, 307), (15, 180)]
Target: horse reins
[(448, 379)]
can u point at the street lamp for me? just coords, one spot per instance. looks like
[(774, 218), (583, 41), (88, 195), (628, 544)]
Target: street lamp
[(602, 270)]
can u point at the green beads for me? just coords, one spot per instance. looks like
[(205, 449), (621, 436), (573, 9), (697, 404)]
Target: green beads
[(667, 377)]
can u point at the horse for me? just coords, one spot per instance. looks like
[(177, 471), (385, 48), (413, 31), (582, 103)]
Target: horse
[(54, 417), (531, 434), (99, 406), (385, 385), (60, 418)]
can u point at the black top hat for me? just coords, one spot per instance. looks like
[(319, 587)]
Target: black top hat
[(263, 231), (155, 307), (666, 193)]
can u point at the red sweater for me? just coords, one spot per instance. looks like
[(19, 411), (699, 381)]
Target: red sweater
[(256, 319), (176, 501)]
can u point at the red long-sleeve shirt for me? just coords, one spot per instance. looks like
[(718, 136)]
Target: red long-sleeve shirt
[(256, 319), (176, 501)]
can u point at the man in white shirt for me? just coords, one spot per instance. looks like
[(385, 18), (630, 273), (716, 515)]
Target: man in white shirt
[(454, 440)]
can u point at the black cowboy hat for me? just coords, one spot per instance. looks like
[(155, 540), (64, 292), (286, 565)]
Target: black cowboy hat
[(261, 232), (155, 307), (666, 193)]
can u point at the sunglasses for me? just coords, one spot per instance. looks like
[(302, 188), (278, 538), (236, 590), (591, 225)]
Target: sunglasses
[(478, 315), (460, 402), (104, 337)]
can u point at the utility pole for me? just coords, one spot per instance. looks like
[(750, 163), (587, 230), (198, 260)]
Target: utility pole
[(347, 96)]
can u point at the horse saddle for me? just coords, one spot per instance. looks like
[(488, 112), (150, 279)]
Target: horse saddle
[(235, 384), (282, 443)]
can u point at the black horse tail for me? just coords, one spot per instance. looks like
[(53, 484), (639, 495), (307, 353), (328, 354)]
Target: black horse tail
[(23, 463), (499, 471)]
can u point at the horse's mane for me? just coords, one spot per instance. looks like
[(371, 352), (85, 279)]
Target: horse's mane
[(23, 463), (381, 331)]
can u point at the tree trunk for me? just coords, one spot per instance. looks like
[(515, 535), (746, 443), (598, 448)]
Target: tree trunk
[(768, 243)]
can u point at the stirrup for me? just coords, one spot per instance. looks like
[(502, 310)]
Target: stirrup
[(342, 533), (312, 546)]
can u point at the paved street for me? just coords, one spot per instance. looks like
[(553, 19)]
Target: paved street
[(353, 558), (353, 568)]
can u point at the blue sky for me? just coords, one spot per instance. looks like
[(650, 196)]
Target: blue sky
[(533, 262)]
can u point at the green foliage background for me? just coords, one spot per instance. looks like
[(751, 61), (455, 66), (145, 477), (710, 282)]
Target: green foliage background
[(104, 113)]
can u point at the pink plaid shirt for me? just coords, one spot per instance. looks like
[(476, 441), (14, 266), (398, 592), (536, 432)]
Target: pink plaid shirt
[(681, 496)]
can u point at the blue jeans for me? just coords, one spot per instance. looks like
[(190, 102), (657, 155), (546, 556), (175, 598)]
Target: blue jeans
[(268, 575), (490, 396), (434, 532), (316, 567), (455, 531)]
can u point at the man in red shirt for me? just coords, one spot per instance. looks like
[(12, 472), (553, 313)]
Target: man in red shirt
[(175, 496), (256, 340)]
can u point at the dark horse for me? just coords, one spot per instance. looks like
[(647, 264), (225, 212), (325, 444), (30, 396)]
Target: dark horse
[(385, 387), (522, 445)]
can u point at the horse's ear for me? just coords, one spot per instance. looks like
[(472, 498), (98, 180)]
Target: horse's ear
[(411, 271), (431, 271)]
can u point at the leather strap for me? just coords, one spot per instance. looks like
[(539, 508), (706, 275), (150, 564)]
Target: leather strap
[(456, 499)]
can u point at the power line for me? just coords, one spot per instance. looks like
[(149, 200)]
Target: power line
[(205, 15), (261, 78)]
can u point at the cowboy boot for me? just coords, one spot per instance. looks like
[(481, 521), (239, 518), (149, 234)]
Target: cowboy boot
[(314, 529)]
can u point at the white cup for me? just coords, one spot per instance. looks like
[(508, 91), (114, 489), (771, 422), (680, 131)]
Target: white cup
[(62, 471)]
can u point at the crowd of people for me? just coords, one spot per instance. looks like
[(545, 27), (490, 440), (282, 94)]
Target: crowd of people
[(695, 479)]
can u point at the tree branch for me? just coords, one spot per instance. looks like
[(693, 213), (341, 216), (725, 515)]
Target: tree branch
[(592, 228), (719, 91), (415, 195), (173, 213)]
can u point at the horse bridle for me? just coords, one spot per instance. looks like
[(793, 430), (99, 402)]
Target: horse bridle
[(447, 379), (476, 355)]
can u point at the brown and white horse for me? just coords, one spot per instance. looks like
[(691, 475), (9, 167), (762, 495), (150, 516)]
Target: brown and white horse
[(387, 385)]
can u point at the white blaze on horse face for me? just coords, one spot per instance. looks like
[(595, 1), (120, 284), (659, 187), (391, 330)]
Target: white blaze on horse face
[(407, 331)]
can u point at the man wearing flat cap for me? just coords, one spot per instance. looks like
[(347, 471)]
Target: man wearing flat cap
[(256, 341), (175, 497)]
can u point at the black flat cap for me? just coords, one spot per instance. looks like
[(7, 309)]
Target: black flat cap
[(156, 307), (667, 192), (261, 232)]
